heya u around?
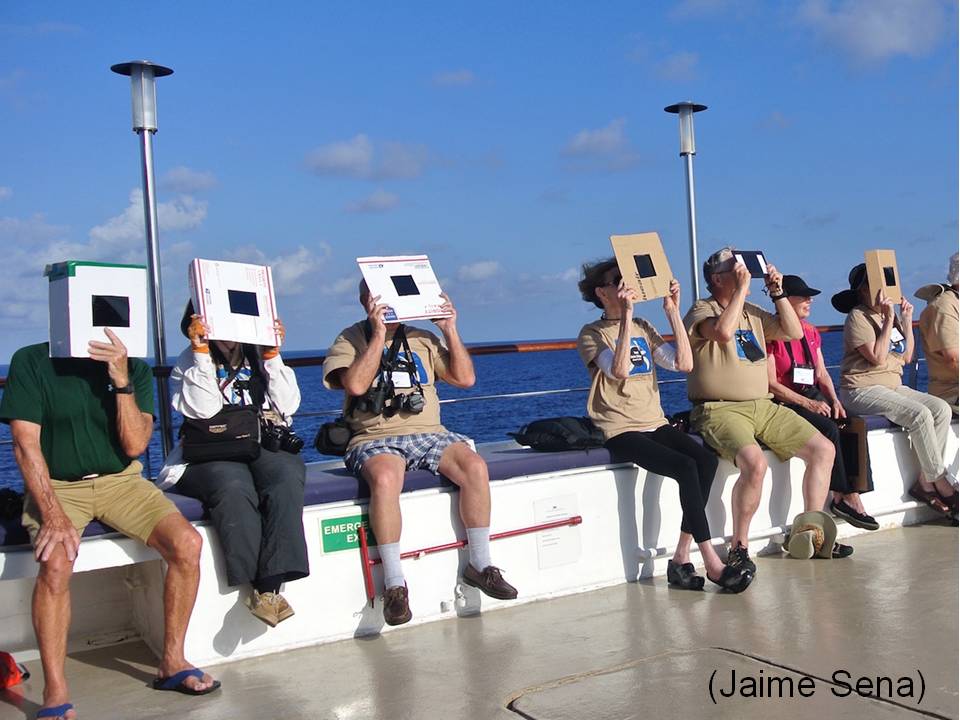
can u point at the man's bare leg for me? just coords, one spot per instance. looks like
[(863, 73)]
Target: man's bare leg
[(384, 475), (179, 545), (468, 471), (818, 454), (51, 622), (745, 498)]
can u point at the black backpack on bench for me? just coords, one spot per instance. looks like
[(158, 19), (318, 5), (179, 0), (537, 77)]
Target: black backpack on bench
[(560, 433)]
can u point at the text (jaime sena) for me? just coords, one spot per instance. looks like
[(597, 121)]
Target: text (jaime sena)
[(762, 684)]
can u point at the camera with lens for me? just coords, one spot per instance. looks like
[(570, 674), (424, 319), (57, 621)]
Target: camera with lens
[(275, 437), (410, 403), (375, 400)]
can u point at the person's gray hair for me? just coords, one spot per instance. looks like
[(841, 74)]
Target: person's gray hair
[(952, 269)]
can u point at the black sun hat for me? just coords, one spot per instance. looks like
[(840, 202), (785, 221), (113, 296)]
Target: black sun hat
[(846, 300), (796, 286)]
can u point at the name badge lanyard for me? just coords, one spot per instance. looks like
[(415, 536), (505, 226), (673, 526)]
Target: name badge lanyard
[(806, 377)]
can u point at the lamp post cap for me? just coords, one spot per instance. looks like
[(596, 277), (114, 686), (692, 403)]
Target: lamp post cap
[(695, 107), (127, 68)]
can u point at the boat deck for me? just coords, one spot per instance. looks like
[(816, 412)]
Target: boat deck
[(631, 651)]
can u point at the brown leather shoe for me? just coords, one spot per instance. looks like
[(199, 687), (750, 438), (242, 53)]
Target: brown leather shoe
[(489, 582), (929, 497), (396, 607)]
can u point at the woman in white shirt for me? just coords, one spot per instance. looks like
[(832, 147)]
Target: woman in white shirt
[(256, 506)]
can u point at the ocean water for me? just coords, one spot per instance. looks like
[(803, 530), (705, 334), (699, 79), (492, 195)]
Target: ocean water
[(469, 412)]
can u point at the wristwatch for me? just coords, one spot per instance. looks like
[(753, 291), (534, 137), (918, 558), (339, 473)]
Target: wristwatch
[(127, 390)]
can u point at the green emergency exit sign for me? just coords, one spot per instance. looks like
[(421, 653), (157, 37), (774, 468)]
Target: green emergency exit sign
[(343, 533)]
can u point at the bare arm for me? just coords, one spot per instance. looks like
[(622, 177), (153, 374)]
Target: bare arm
[(950, 356), (785, 394), (825, 382), (459, 372), (786, 315), (622, 365), (671, 308), (722, 329), (906, 319), (356, 379), (55, 526), (134, 427), (876, 353)]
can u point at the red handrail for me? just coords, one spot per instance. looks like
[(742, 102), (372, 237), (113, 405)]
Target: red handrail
[(367, 562)]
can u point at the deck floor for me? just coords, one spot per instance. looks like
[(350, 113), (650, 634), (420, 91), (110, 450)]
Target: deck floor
[(631, 651)]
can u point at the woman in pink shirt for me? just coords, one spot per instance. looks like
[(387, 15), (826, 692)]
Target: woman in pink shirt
[(799, 379)]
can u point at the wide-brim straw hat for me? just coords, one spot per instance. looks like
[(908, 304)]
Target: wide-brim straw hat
[(812, 535)]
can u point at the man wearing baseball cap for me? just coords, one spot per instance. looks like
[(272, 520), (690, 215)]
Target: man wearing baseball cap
[(732, 405)]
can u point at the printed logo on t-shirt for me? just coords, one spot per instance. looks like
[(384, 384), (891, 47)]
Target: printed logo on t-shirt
[(747, 346), (640, 356), (242, 376), (898, 343), (401, 378)]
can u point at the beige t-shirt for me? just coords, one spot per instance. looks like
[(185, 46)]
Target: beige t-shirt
[(939, 331), (863, 327), (617, 406), (430, 357), (722, 371)]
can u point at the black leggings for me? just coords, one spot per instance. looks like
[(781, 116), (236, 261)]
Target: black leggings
[(671, 453)]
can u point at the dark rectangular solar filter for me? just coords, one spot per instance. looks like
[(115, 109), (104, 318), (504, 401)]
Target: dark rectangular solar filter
[(243, 302), (405, 285), (644, 266), (889, 277), (751, 258), (111, 311)]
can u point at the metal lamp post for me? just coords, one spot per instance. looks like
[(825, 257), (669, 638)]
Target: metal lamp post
[(143, 75), (688, 149)]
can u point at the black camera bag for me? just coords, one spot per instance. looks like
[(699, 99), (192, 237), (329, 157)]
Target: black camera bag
[(332, 437), (231, 434), (560, 433)]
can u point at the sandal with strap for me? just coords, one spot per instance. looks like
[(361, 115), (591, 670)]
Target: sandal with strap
[(683, 576), (929, 497), (733, 580)]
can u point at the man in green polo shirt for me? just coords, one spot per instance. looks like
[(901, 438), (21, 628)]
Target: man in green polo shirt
[(78, 426)]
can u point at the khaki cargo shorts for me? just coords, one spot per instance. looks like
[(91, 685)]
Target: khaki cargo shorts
[(125, 501), (729, 426)]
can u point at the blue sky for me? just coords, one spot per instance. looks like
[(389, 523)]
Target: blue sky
[(506, 140)]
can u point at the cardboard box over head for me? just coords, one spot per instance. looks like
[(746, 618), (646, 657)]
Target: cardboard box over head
[(235, 300), (407, 284), (643, 264), (86, 297), (882, 274)]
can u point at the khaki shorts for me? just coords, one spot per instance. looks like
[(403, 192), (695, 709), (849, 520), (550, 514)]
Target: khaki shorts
[(125, 501), (729, 426)]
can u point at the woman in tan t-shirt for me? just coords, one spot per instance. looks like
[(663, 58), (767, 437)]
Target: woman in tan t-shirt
[(620, 352), (876, 346)]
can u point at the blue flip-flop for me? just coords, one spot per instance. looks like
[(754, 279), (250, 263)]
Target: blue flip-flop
[(54, 712), (175, 682)]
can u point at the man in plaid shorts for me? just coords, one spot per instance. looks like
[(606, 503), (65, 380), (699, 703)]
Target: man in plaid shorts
[(394, 413)]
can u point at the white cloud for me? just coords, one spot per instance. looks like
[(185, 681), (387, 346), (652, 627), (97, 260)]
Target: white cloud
[(182, 179), (293, 272), (876, 30), (358, 158), (377, 202), (181, 213), (679, 67), (606, 148), (454, 78), (568, 275), (5, 192), (350, 158), (481, 270)]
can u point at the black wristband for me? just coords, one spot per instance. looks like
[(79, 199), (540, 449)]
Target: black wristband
[(781, 296), (126, 390)]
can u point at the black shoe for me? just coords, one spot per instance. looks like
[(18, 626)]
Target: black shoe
[(733, 580), (841, 551), (851, 515), (683, 576), (739, 558)]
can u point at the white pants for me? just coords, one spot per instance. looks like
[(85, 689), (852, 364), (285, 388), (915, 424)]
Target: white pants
[(925, 418)]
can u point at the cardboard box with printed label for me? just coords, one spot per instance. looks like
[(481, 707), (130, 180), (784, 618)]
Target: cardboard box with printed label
[(235, 300), (406, 283)]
